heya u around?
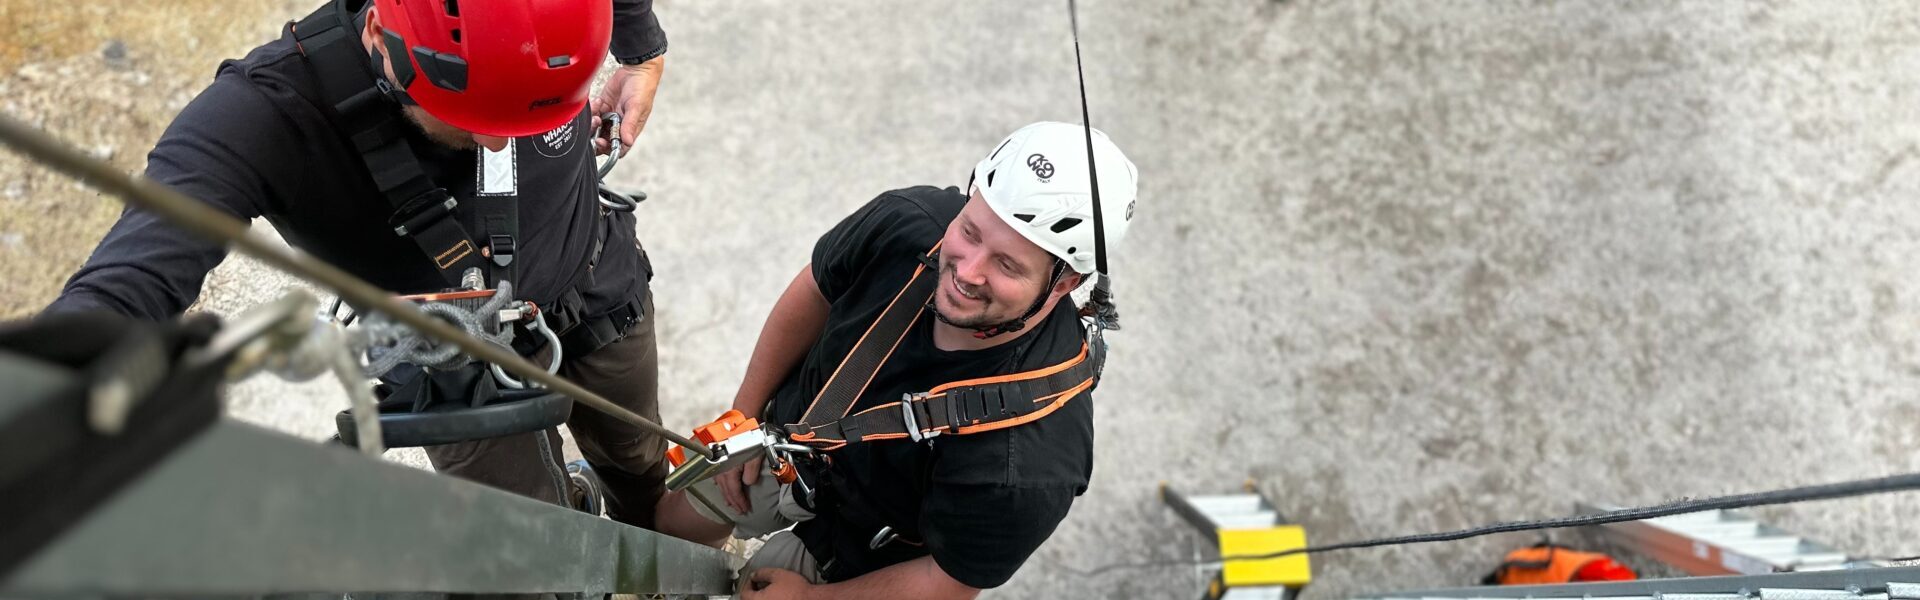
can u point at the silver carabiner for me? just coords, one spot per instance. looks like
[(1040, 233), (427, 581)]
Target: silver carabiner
[(884, 537), (553, 363), (610, 122)]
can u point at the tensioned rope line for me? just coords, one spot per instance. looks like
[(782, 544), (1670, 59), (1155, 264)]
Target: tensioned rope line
[(1827, 491), (1086, 122), (203, 220)]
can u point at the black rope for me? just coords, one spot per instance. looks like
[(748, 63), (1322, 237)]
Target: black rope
[(1100, 306), (1086, 122), (1829, 491)]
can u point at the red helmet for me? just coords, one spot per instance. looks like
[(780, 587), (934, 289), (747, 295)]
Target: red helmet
[(507, 68)]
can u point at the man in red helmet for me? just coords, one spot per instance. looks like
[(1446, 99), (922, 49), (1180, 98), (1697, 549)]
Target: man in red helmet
[(409, 143)]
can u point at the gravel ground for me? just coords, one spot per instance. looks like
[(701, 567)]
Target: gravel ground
[(1408, 266)]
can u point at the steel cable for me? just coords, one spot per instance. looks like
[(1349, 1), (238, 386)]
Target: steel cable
[(203, 220)]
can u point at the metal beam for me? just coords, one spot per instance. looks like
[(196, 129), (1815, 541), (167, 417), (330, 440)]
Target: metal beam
[(1864, 581), (245, 511)]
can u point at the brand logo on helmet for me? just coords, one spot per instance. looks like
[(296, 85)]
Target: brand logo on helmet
[(1040, 167)]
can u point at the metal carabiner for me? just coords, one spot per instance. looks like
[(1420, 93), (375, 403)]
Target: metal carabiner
[(610, 122), (553, 341), (609, 198), (884, 537)]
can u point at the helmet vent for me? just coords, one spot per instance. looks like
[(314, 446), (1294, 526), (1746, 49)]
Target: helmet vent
[(456, 35), (453, 8), (1065, 224), (1027, 218), (990, 177)]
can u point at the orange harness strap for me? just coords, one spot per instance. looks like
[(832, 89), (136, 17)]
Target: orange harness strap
[(960, 407)]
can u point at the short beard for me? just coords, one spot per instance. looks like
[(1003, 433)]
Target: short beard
[(980, 320), (439, 132)]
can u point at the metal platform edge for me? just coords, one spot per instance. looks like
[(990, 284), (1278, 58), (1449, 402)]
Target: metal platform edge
[(242, 510)]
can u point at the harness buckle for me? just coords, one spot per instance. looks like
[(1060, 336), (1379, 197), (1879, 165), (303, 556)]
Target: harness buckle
[(913, 425), (501, 248)]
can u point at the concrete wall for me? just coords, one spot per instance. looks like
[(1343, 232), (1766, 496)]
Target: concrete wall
[(1408, 265)]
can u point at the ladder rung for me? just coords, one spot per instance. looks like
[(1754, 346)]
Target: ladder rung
[(1213, 506), (1806, 594), (1711, 516), (1817, 559), (1259, 520), (1789, 558), (1257, 593), (1766, 545), (1723, 529), (1702, 597)]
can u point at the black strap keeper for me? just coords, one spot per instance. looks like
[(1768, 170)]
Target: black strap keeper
[(422, 211)]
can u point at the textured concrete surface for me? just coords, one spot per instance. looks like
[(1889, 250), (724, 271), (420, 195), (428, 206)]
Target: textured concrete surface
[(1409, 266)]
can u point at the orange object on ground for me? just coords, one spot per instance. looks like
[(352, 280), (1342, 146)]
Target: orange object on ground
[(1548, 563)]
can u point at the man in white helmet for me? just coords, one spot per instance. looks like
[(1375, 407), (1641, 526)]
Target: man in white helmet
[(887, 510)]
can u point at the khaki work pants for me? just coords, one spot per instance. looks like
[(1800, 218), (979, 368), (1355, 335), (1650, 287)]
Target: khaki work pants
[(629, 460), (774, 512)]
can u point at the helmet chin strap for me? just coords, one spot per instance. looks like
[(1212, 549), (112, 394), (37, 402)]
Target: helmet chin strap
[(1004, 327), (387, 86), (377, 66)]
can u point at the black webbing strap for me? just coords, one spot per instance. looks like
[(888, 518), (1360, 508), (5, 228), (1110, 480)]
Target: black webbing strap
[(359, 108), (960, 407), (496, 213), (844, 387), (970, 407)]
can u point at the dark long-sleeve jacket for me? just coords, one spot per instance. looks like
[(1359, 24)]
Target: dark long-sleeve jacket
[(256, 143)]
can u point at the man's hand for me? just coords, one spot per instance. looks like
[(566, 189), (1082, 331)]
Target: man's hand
[(774, 584), (630, 92), (733, 484)]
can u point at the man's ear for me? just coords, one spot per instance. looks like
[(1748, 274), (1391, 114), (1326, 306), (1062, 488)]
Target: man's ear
[(1069, 282), (371, 33)]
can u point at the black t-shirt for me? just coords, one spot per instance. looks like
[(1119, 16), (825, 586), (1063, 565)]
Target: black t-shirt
[(255, 143), (979, 503)]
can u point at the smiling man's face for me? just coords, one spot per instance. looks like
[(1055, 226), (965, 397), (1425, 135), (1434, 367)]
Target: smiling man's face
[(989, 273)]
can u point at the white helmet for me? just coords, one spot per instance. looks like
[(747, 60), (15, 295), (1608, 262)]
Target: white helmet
[(1037, 182)]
